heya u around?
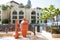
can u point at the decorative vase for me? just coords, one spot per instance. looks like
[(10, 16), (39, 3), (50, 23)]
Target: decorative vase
[(16, 35), (24, 27)]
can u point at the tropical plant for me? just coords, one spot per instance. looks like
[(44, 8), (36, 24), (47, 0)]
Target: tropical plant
[(50, 12), (4, 21), (10, 7), (55, 30), (7, 9)]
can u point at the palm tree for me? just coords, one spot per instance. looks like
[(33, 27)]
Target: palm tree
[(4, 7), (50, 12)]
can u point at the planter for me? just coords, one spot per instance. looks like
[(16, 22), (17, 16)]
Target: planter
[(56, 35), (24, 27), (24, 33), (16, 35)]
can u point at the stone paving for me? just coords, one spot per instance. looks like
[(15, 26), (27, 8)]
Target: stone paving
[(28, 38), (39, 36), (56, 38)]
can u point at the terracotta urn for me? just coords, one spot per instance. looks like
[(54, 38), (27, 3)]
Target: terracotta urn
[(16, 35), (24, 27)]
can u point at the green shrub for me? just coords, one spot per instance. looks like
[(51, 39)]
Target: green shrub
[(48, 29), (53, 29), (4, 21), (56, 30), (0, 19)]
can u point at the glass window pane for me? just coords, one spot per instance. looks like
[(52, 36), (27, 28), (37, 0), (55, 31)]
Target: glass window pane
[(20, 21), (14, 13), (33, 13), (45, 21), (37, 14), (21, 13), (33, 17), (20, 17), (33, 21), (13, 21), (37, 22), (14, 17)]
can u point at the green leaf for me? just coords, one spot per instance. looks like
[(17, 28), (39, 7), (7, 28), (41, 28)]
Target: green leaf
[(46, 12), (11, 6), (5, 7), (51, 7)]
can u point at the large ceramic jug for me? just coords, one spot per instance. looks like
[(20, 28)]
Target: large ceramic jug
[(16, 35), (24, 27)]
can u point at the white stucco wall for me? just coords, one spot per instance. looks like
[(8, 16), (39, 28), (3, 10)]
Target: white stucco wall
[(27, 12)]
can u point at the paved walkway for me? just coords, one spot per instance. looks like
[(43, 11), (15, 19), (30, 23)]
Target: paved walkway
[(39, 36), (28, 38), (56, 38)]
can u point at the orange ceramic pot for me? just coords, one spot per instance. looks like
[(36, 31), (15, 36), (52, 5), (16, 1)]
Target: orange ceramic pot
[(24, 27), (16, 35)]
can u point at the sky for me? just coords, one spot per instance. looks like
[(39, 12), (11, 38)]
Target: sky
[(36, 3)]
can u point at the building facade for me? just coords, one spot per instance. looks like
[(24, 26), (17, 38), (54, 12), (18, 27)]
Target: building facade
[(19, 11), (16, 12)]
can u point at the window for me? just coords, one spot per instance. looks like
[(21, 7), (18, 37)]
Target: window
[(14, 13), (37, 17), (40, 14), (20, 21), (20, 17), (13, 21), (33, 13), (45, 21), (33, 17), (41, 21), (37, 22), (21, 13), (37, 14), (14, 17), (33, 21)]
